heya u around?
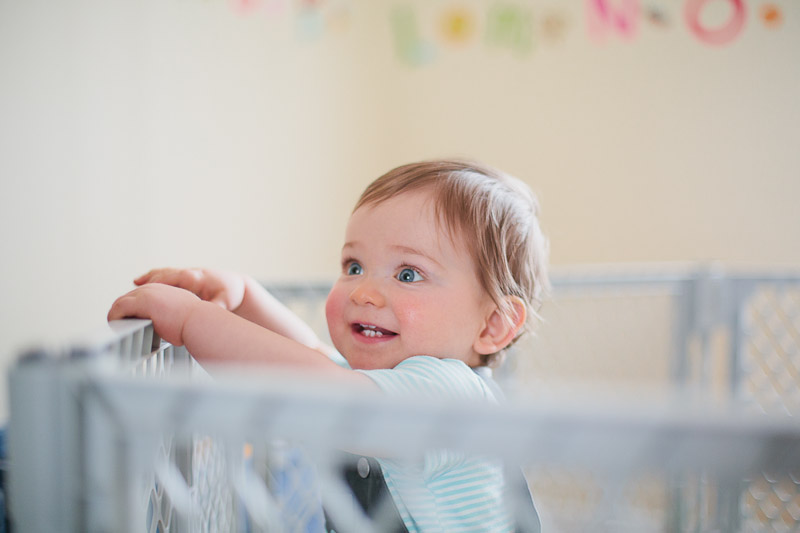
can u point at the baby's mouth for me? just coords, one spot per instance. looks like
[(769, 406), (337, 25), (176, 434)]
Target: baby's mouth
[(369, 330)]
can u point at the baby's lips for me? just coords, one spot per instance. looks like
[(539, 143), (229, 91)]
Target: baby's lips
[(361, 326)]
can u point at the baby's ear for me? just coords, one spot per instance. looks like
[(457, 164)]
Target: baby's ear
[(499, 330)]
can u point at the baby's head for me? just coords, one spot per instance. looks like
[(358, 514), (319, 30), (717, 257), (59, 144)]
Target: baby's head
[(443, 258), (494, 214)]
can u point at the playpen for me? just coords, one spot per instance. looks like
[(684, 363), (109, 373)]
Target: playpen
[(650, 399)]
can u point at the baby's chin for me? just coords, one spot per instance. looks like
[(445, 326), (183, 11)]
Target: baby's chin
[(356, 364)]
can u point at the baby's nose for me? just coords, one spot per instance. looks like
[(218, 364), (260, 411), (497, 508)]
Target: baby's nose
[(368, 292)]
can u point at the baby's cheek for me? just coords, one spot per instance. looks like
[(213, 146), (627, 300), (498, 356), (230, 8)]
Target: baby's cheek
[(334, 307), (413, 314)]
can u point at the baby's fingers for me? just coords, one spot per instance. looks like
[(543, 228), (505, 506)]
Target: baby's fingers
[(125, 306), (185, 278), (221, 299), (149, 277)]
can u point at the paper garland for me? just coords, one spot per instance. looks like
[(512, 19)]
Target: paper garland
[(419, 29)]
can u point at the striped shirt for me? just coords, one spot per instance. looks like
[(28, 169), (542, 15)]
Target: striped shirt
[(447, 491)]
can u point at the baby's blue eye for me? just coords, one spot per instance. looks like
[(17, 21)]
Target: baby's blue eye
[(409, 275), (354, 269)]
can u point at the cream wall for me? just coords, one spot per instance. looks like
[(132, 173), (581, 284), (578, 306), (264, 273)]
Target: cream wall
[(199, 132), (651, 148)]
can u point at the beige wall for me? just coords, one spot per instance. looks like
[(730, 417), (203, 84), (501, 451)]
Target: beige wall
[(190, 132)]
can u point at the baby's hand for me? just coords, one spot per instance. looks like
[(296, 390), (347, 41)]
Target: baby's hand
[(225, 289), (168, 307)]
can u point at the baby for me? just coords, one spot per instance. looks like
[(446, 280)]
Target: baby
[(443, 266)]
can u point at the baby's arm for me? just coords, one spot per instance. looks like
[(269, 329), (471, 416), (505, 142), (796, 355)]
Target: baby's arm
[(240, 294), (214, 335), (261, 307)]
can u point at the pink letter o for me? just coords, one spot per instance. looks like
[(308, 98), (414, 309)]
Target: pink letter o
[(722, 35)]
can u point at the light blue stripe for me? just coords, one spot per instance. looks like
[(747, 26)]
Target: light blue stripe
[(452, 484), (451, 481), (464, 492), (468, 500)]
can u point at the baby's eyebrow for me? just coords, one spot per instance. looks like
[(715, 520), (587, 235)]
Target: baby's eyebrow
[(408, 250), (414, 251)]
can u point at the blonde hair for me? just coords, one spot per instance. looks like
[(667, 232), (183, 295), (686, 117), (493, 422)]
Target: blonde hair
[(496, 215)]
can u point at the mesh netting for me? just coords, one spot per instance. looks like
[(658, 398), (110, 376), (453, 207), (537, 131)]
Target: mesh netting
[(770, 382)]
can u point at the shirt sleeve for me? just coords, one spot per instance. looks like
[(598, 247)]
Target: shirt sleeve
[(339, 359)]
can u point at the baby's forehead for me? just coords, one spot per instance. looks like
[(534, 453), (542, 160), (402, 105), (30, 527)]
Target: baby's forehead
[(450, 225)]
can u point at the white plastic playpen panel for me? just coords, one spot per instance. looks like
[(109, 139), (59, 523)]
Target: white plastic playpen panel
[(664, 401)]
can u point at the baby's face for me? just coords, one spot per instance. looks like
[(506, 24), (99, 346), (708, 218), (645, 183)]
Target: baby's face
[(405, 289)]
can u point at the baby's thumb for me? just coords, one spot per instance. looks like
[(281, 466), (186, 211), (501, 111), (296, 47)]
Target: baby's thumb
[(219, 299)]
